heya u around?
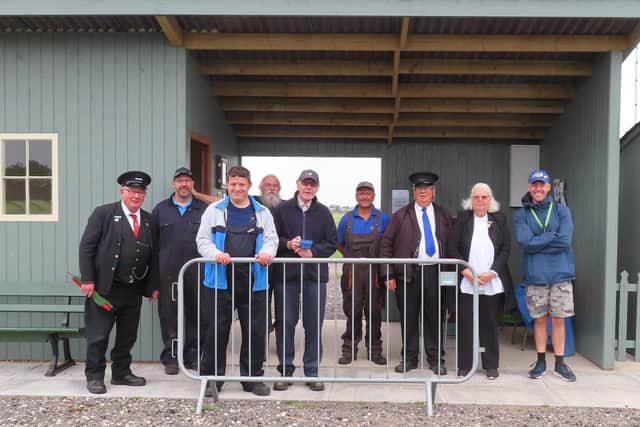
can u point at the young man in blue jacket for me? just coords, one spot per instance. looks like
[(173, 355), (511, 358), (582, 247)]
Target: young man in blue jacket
[(544, 230), (236, 226)]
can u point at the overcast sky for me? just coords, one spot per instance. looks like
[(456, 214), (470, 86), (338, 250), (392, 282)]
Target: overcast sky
[(629, 93), (338, 175)]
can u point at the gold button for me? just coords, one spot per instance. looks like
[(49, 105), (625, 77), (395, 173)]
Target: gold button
[(116, 256), (113, 269)]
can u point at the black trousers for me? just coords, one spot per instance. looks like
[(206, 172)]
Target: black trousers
[(488, 331), (416, 300), (168, 313), (360, 297), (98, 324), (219, 318)]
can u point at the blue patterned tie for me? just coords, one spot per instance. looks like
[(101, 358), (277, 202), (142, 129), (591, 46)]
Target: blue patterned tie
[(429, 244)]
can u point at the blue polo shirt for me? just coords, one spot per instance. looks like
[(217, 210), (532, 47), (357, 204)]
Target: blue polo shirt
[(360, 226), (181, 209)]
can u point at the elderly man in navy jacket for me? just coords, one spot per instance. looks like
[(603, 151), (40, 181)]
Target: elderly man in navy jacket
[(307, 230), (177, 220)]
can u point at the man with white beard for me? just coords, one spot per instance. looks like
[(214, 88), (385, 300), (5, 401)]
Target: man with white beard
[(270, 191)]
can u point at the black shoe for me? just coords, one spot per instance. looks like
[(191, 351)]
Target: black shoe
[(315, 386), (281, 385), (129, 379), (438, 370), (345, 359), (259, 389), (462, 373), (492, 373), (190, 364), (209, 390), (378, 359), (96, 386), (171, 369), (406, 366)]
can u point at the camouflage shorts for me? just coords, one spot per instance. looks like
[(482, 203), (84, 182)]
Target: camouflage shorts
[(555, 300)]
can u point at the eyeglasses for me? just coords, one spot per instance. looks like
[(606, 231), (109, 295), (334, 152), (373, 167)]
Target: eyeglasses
[(139, 193), (480, 197)]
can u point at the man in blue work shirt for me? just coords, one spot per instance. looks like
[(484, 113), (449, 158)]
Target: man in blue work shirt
[(177, 220), (359, 233)]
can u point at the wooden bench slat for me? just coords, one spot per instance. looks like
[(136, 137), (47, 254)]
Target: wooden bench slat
[(42, 308)]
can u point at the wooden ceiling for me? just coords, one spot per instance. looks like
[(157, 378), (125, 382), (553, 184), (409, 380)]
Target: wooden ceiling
[(408, 83)]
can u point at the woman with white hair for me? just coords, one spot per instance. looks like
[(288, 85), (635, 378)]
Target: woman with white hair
[(480, 236)]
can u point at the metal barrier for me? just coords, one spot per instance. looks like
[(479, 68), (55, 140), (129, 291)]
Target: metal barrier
[(446, 280), (624, 288)]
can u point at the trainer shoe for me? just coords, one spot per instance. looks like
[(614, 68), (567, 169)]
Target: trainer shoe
[(492, 373), (564, 372), (538, 370)]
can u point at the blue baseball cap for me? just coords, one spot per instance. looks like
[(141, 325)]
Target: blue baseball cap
[(539, 175)]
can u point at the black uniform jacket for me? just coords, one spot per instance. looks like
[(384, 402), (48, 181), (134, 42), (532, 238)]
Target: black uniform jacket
[(459, 246), (402, 237), (100, 248)]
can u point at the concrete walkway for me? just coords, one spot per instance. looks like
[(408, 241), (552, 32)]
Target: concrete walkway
[(617, 388)]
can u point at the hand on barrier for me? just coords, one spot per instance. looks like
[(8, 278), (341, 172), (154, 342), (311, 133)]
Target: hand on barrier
[(263, 258), (87, 289), (304, 253), (223, 258), (391, 284), (154, 296)]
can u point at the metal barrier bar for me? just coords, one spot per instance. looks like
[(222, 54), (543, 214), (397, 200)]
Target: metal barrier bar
[(445, 279), (622, 343)]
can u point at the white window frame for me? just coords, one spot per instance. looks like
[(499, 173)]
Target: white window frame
[(53, 216)]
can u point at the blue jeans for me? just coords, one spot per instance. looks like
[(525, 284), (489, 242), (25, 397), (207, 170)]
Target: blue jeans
[(314, 299)]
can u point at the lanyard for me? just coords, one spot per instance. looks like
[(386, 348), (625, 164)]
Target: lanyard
[(546, 220)]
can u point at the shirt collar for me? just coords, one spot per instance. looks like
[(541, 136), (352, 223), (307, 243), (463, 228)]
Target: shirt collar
[(373, 212), (173, 200), (126, 210), (302, 205)]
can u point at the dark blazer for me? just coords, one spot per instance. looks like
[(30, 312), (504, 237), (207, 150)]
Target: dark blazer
[(459, 245), (100, 248), (402, 237)]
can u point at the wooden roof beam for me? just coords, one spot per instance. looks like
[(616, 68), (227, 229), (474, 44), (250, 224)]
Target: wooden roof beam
[(482, 106), (356, 132), (244, 67), (377, 42), (381, 90), (298, 119), (475, 120), (386, 106), (498, 67), (171, 29), (474, 133), (335, 105)]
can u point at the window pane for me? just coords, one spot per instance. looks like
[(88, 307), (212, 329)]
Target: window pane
[(15, 158), (39, 158), (40, 196), (14, 196)]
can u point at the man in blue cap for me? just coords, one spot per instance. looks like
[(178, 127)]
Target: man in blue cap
[(118, 258), (544, 230), (418, 230), (177, 220)]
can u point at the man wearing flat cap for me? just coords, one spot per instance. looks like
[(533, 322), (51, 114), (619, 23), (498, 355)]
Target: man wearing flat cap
[(177, 220), (418, 230), (118, 259), (359, 233), (306, 230)]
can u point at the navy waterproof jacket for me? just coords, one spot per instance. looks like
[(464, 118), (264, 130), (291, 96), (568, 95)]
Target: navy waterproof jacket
[(548, 258)]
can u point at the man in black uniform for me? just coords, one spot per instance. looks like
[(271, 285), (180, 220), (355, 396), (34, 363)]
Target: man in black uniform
[(177, 220), (118, 258)]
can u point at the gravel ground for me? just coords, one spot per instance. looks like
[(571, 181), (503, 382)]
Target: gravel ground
[(32, 411)]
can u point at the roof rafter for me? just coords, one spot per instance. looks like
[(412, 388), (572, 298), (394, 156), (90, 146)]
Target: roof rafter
[(171, 29)]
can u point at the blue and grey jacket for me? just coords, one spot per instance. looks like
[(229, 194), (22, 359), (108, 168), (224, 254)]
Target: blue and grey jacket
[(548, 257), (211, 237)]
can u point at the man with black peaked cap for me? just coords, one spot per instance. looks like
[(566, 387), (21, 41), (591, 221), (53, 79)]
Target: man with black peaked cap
[(118, 259), (418, 230), (177, 220)]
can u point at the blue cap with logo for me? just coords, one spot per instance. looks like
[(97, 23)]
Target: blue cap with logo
[(539, 175)]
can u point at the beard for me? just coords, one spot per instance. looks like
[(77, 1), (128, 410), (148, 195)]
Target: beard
[(270, 200)]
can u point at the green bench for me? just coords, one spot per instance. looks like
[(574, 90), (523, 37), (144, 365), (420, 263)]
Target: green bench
[(60, 330)]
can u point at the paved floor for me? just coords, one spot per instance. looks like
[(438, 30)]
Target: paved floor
[(619, 387)]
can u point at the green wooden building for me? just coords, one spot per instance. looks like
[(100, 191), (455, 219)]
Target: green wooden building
[(90, 89)]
